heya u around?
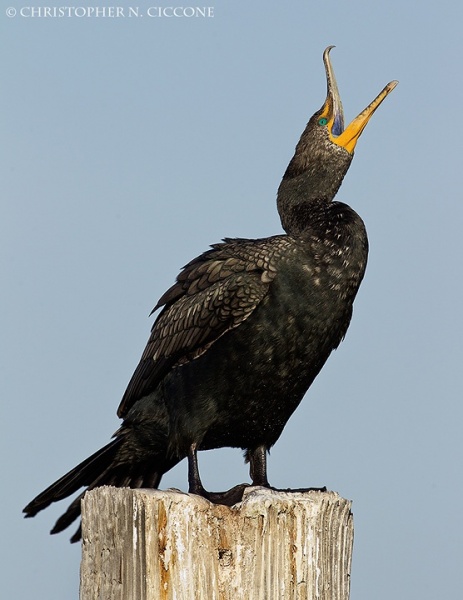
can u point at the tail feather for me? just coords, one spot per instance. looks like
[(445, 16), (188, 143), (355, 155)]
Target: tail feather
[(71, 514), (83, 475), (77, 536), (150, 480), (105, 467)]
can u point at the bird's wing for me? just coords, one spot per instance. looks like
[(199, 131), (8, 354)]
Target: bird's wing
[(213, 294)]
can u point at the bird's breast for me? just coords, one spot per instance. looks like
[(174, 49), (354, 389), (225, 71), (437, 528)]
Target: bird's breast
[(246, 386)]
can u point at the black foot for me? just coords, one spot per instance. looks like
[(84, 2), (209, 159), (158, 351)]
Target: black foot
[(230, 497), (310, 489), (235, 494)]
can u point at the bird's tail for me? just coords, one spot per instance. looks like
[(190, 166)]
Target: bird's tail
[(105, 467)]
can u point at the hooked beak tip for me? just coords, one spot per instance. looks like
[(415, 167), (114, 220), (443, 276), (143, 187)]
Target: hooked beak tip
[(333, 100)]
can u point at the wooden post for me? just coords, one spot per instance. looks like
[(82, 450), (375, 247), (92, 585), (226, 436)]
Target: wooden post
[(166, 545)]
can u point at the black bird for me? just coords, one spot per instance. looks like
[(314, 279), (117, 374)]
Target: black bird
[(243, 331)]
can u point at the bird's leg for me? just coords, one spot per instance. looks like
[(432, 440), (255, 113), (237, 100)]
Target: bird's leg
[(258, 471), (195, 485), (258, 466)]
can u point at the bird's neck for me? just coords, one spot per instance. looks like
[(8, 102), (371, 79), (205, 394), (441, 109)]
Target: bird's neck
[(335, 237), (309, 185), (321, 219)]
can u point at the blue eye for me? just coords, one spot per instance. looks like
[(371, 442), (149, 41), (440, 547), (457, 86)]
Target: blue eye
[(323, 121)]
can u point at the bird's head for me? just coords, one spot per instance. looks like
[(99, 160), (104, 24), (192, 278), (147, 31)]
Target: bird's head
[(329, 120), (325, 150)]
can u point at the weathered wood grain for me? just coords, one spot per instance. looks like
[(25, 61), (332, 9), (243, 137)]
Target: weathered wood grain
[(166, 545)]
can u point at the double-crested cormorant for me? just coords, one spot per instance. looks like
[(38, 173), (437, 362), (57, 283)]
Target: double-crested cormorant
[(243, 331)]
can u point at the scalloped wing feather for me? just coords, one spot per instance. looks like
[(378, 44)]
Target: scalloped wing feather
[(212, 295)]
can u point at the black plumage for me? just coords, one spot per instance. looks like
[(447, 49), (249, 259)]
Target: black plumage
[(243, 331)]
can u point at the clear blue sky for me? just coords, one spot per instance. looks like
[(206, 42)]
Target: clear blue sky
[(128, 146)]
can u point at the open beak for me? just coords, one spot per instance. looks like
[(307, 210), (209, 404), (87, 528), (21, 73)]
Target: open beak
[(333, 112)]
